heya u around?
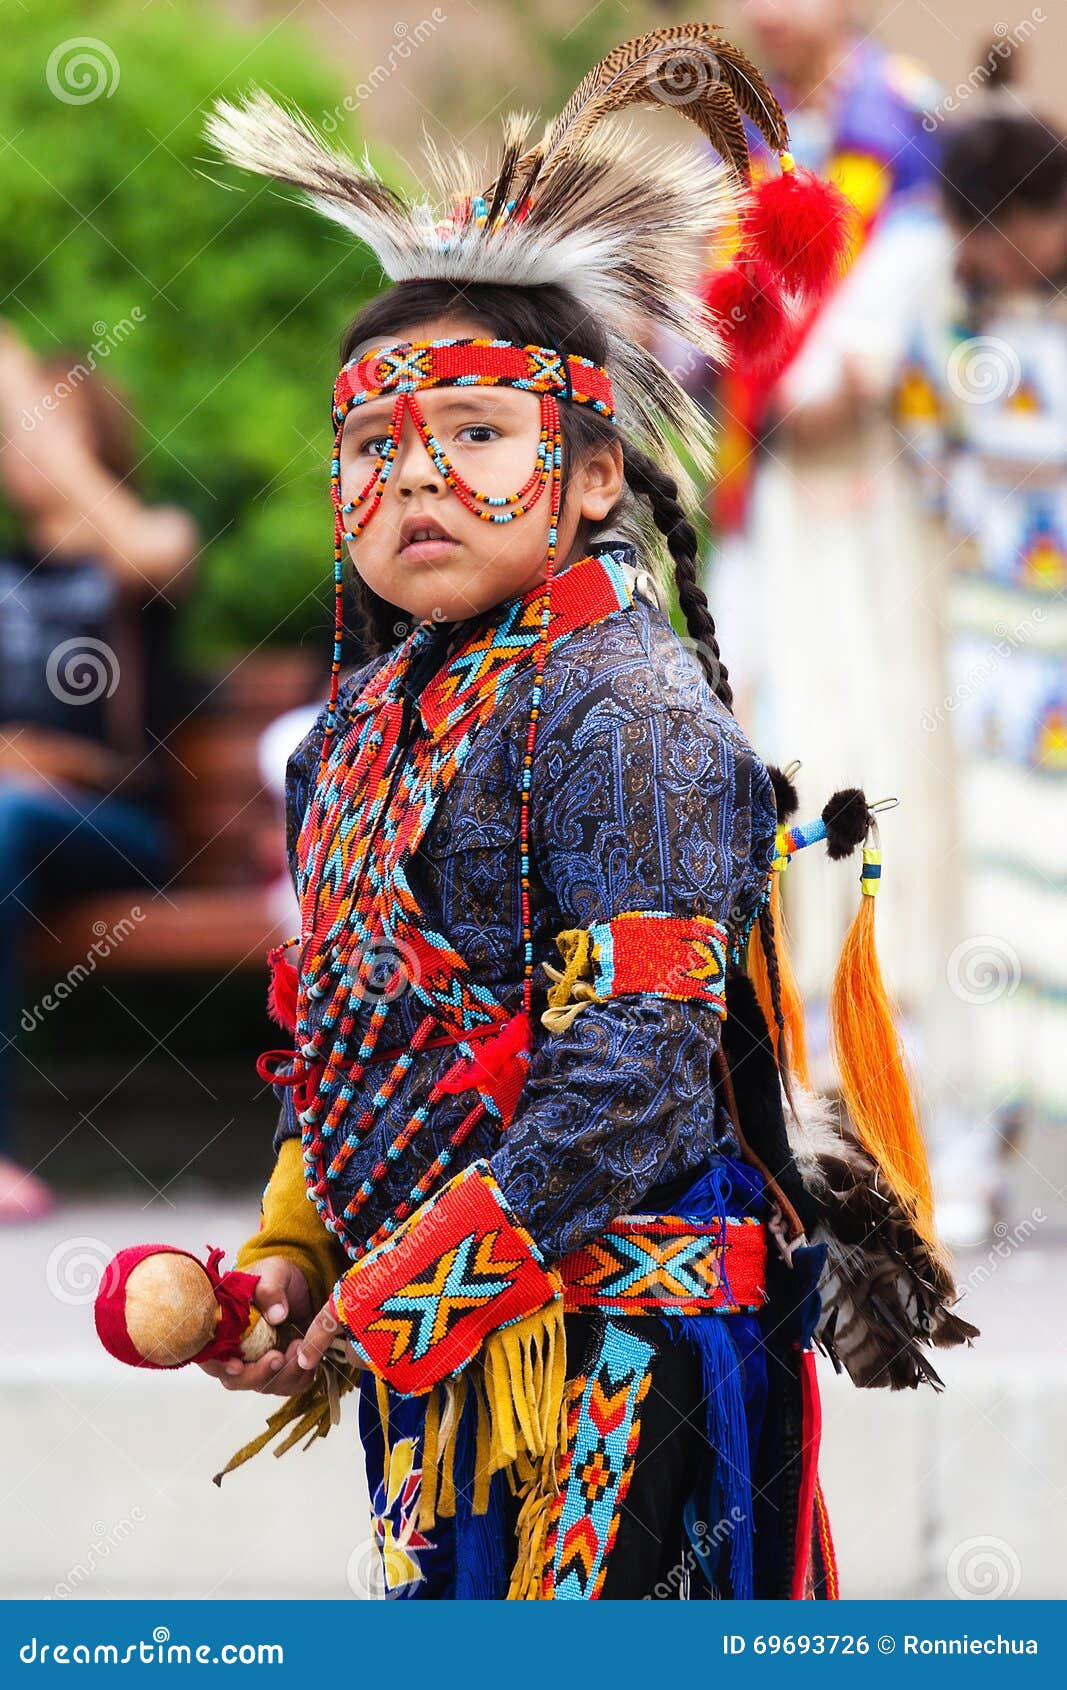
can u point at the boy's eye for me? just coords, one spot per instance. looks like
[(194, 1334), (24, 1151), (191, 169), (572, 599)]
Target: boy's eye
[(377, 445), (480, 432)]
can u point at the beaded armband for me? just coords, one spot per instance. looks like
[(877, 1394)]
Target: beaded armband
[(417, 1308), (649, 951)]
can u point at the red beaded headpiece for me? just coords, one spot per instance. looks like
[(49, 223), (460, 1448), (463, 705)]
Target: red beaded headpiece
[(473, 363)]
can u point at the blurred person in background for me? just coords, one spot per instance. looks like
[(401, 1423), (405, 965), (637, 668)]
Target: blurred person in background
[(984, 403), (818, 570), (86, 599)]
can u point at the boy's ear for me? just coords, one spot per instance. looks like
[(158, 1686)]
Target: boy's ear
[(601, 480)]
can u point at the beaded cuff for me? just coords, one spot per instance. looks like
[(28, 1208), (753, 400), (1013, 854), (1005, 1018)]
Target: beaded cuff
[(417, 1308), (648, 951)]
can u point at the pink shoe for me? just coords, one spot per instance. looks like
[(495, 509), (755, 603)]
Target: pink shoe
[(23, 1197)]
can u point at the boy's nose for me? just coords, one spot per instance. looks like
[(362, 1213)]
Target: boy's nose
[(414, 468)]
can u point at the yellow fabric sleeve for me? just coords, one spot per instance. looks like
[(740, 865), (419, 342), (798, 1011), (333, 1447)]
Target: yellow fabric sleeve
[(290, 1226)]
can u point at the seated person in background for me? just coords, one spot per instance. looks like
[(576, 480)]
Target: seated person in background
[(85, 601)]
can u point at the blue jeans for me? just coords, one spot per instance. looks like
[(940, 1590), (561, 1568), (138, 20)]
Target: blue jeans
[(57, 844)]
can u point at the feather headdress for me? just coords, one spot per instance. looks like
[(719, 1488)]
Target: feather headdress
[(628, 229)]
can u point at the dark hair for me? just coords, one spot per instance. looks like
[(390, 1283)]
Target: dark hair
[(1000, 162), (544, 316)]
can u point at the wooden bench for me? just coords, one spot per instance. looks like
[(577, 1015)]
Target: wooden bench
[(215, 914)]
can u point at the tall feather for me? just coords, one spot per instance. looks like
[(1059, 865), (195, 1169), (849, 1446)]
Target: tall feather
[(270, 139), (688, 67)]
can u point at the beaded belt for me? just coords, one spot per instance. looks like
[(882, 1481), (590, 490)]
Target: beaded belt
[(666, 1264)]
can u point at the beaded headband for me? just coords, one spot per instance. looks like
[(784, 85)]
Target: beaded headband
[(410, 366)]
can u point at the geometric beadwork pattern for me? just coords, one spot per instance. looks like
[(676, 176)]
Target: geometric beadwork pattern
[(668, 1264), (417, 1307), (603, 1430), (535, 369), (652, 951)]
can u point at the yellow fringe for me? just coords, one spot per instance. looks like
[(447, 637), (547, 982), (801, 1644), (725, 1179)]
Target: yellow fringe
[(310, 1414), (573, 988), (524, 1401), (519, 1384), (382, 1393), (535, 1511), (428, 1488)]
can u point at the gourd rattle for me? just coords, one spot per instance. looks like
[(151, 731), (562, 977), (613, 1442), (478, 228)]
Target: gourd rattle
[(159, 1306)]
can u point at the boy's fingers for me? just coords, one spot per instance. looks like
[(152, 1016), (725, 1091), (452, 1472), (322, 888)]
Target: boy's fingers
[(317, 1339), (258, 1376), (271, 1293), (290, 1378)]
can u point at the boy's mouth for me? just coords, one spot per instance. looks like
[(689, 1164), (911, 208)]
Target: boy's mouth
[(423, 539)]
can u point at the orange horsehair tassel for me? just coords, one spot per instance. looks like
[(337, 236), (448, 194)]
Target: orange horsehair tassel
[(870, 1059)]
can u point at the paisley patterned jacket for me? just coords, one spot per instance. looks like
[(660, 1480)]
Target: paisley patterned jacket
[(645, 795)]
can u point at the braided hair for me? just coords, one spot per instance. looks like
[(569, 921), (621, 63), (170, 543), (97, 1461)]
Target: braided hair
[(545, 316), (648, 481)]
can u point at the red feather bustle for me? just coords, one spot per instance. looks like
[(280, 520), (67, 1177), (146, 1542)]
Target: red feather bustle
[(803, 228), (746, 303)]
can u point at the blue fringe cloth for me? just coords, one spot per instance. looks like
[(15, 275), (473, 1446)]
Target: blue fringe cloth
[(482, 1564), (734, 1373)]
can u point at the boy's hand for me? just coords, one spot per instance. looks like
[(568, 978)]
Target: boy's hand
[(282, 1296)]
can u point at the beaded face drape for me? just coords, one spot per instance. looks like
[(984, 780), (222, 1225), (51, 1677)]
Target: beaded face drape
[(372, 801)]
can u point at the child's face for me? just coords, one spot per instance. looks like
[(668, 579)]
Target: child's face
[(1023, 252), (490, 435)]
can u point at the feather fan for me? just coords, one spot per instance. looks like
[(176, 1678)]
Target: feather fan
[(886, 1297)]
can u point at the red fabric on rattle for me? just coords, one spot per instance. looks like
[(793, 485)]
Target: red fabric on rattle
[(233, 1293)]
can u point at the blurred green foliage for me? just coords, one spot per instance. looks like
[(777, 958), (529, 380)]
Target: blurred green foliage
[(112, 203), (115, 204)]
